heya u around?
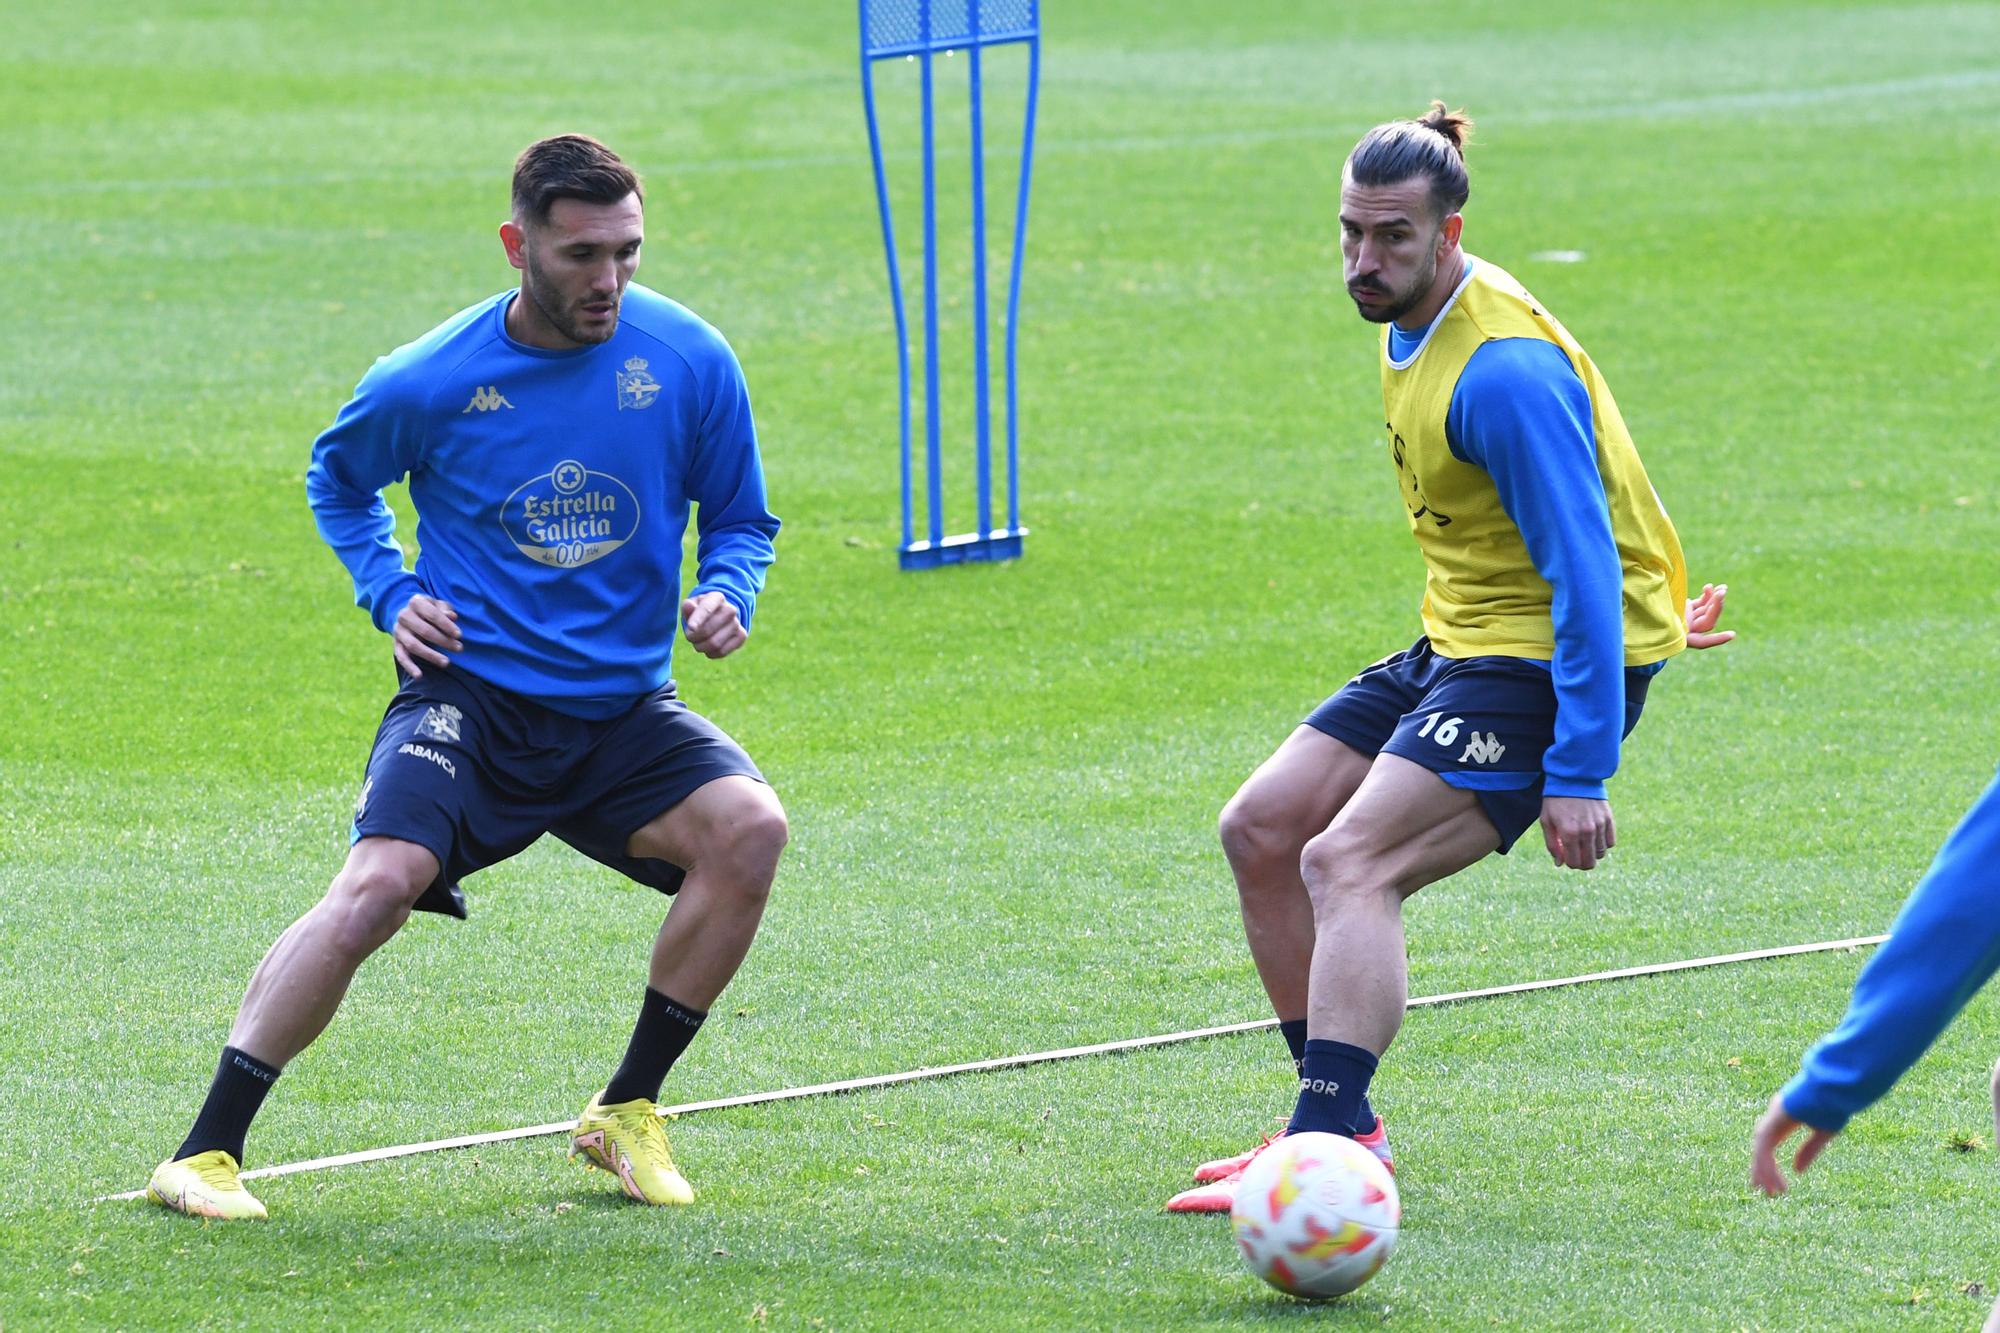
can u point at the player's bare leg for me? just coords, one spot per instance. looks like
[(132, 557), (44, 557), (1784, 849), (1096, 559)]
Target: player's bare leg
[(296, 989), (727, 836), (291, 998), (1264, 829), (1403, 828)]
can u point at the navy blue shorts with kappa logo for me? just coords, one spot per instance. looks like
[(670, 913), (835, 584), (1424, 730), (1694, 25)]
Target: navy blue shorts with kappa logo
[(475, 774), (1480, 723)]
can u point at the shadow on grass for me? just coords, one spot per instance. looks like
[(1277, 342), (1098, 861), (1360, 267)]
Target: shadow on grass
[(1267, 1305)]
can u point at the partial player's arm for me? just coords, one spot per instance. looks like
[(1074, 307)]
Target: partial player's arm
[(376, 440), (1943, 947), (735, 524), (1520, 412)]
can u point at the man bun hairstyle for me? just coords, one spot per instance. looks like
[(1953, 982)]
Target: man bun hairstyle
[(569, 166), (1431, 147)]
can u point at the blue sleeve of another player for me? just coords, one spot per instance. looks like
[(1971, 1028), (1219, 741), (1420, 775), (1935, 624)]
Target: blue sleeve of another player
[(726, 482), (374, 441), (1944, 945), (1520, 412)]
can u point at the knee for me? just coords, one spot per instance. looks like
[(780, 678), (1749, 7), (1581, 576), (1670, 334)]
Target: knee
[(1254, 834), (744, 847), (371, 898), (1338, 867)]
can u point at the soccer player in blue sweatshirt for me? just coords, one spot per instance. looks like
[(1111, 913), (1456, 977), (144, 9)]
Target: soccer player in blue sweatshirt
[(1943, 947), (554, 438)]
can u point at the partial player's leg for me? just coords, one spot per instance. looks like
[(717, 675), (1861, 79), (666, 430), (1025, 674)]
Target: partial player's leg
[(727, 837), (295, 990), (683, 809), (1403, 829), (1291, 797), (427, 817), (292, 996), (1264, 828), (1461, 776)]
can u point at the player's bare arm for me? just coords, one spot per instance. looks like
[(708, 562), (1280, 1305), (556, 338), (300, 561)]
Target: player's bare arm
[(425, 630)]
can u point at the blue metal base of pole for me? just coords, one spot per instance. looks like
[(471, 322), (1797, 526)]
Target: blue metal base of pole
[(968, 548)]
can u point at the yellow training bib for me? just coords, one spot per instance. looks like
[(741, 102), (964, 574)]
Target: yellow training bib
[(1482, 595)]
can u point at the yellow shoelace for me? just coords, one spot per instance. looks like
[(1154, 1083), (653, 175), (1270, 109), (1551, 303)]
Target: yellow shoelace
[(217, 1175), (648, 1135)]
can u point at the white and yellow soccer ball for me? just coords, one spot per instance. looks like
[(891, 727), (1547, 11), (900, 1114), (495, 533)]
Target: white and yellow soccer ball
[(1316, 1215)]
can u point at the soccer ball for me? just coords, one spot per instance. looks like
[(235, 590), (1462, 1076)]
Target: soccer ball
[(1316, 1215)]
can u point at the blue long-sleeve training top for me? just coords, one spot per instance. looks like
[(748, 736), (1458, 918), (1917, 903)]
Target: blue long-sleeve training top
[(552, 491), (1521, 413), (1944, 945)]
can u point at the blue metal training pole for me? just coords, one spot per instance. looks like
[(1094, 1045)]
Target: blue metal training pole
[(921, 30)]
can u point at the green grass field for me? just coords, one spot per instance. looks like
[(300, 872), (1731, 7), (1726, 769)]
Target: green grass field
[(1002, 781)]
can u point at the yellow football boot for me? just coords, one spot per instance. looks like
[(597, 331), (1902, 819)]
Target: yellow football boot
[(628, 1140), (204, 1185)]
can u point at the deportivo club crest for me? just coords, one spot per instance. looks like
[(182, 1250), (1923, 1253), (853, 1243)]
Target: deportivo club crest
[(636, 386), (440, 723)]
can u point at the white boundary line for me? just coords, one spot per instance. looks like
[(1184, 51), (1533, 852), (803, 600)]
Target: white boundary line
[(1017, 1061)]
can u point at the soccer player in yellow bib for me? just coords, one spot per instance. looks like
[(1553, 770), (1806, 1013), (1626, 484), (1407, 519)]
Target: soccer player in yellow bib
[(1554, 591)]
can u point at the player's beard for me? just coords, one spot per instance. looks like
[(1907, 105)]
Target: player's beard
[(548, 299), (1403, 302)]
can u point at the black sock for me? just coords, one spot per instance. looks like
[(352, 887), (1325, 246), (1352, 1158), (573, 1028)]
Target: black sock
[(664, 1031), (1294, 1032), (240, 1084), (1333, 1087)]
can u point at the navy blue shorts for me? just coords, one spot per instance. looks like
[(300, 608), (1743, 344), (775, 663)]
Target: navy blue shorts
[(1480, 723), (475, 774)]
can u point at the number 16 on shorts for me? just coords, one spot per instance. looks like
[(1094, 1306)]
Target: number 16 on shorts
[(1479, 749)]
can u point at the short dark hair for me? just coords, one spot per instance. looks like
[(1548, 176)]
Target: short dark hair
[(569, 166), (1432, 146)]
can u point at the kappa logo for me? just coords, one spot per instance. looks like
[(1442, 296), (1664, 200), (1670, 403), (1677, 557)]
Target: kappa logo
[(440, 723), (361, 801), (486, 398), (636, 386), (1480, 749)]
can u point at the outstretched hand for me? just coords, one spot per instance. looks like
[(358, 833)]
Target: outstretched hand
[(713, 627), (1777, 1125), (1704, 613)]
